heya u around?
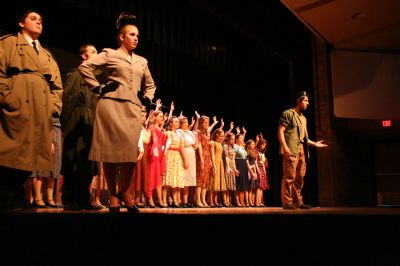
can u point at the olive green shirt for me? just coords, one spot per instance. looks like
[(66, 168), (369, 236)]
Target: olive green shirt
[(295, 130)]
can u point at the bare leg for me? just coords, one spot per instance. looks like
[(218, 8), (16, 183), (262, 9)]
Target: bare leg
[(126, 185), (37, 191), (185, 195), (203, 196), (58, 193), (50, 191), (110, 172), (28, 186), (198, 197)]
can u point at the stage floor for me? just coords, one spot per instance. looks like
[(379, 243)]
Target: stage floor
[(235, 211), (388, 210), (204, 236)]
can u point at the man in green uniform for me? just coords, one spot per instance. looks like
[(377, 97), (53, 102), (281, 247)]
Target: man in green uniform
[(294, 141)]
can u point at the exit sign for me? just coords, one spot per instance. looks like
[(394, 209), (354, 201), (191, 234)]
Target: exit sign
[(386, 123)]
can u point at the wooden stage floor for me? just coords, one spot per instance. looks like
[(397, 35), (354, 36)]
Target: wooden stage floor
[(248, 210), (203, 236)]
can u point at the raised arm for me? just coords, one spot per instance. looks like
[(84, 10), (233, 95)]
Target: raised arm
[(210, 128), (171, 110), (192, 124), (196, 124), (244, 132), (238, 130), (231, 127), (222, 124), (158, 104)]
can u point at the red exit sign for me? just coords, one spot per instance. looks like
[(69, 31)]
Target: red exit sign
[(386, 123)]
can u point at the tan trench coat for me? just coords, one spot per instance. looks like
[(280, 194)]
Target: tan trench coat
[(27, 103)]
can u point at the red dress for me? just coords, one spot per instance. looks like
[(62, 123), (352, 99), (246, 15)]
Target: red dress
[(202, 176), (264, 183), (156, 163)]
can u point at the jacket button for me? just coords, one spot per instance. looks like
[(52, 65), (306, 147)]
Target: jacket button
[(27, 101)]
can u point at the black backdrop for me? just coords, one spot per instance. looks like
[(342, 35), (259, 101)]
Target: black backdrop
[(238, 61)]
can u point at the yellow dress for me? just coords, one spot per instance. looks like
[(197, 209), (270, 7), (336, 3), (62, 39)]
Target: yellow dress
[(217, 178)]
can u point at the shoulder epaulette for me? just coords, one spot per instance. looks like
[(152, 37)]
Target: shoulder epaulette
[(6, 36), (51, 54)]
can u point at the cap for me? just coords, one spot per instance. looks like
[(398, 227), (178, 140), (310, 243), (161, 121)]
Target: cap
[(300, 95)]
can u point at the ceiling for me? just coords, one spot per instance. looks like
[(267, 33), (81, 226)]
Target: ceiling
[(361, 25)]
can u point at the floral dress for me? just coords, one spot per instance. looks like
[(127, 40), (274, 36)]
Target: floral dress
[(175, 170)]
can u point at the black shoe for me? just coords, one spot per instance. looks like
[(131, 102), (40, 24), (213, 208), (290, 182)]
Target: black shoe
[(304, 206), (37, 206), (289, 206), (51, 204), (139, 205), (132, 209)]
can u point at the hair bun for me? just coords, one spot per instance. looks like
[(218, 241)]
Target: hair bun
[(125, 19)]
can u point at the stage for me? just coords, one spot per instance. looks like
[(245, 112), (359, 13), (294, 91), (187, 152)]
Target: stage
[(204, 236)]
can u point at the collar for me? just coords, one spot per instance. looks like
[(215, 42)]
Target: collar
[(30, 40)]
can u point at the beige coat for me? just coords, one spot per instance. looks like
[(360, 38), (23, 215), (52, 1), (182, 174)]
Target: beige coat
[(27, 103)]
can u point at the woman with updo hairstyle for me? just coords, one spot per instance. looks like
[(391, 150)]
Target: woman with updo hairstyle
[(117, 122)]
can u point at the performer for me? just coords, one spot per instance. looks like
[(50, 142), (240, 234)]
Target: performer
[(294, 141), (30, 95), (117, 123)]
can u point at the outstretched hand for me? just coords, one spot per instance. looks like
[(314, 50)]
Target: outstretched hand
[(319, 144)]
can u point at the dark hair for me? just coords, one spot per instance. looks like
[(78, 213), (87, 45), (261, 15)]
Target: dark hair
[(201, 121), (216, 133), (125, 19), (170, 120), (23, 16), (228, 136), (83, 49), (261, 142), (300, 96), (251, 153), (182, 119)]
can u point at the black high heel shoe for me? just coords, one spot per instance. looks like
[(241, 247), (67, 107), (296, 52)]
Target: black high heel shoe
[(176, 205), (151, 203), (132, 209), (38, 206), (51, 204)]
